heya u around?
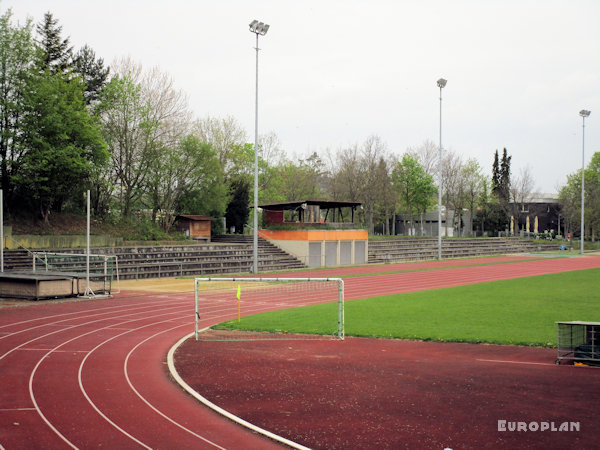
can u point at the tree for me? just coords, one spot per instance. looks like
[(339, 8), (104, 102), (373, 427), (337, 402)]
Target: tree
[(16, 56), (141, 113), (501, 189), (191, 166), (228, 139), (453, 187), (345, 183), (473, 184), (496, 174), (62, 141), (521, 190), (592, 189), (270, 156), (238, 208), (504, 187), (387, 196), (55, 52), (428, 156), (92, 72), (570, 200), (301, 180), (415, 188), (373, 149), (128, 133)]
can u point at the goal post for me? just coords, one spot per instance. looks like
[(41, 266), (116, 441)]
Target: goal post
[(97, 272), (237, 304)]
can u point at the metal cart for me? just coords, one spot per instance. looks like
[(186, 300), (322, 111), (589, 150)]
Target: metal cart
[(579, 341)]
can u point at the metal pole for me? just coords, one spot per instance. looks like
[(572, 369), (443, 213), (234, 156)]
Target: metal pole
[(440, 187), (255, 231), (582, 183), (88, 290), (196, 315)]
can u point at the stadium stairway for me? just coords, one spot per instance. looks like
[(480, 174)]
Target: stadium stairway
[(420, 249), (223, 256)]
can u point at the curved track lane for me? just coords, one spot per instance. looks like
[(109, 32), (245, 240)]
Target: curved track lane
[(93, 373)]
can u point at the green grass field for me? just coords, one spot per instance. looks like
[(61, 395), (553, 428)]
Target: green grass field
[(521, 311)]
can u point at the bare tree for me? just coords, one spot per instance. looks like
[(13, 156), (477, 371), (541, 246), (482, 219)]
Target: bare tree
[(227, 138), (453, 186), (427, 155), (373, 149), (473, 178), (142, 114), (521, 190)]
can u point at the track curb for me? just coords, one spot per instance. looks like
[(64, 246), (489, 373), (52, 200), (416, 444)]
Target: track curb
[(216, 408)]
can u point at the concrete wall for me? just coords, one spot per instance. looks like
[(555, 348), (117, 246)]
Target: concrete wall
[(35, 242)]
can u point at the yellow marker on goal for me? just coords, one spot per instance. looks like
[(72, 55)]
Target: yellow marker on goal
[(239, 294)]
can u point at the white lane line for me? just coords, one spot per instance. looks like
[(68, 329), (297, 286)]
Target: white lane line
[(228, 312), (80, 325), (17, 409), (33, 372), (82, 316), (514, 362), (125, 371), (84, 392)]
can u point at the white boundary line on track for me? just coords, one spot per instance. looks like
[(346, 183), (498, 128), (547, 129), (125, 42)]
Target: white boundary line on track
[(514, 362), (218, 409)]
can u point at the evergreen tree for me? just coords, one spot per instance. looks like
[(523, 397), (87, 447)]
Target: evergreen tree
[(496, 174), (497, 215), (92, 72), (55, 52), (504, 192), (238, 209)]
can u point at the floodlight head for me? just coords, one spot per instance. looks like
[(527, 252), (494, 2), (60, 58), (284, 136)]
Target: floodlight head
[(441, 83), (584, 113), (259, 27)]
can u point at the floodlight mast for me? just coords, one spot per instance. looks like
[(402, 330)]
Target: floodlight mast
[(258, 28), (583, 113), (441, 84)]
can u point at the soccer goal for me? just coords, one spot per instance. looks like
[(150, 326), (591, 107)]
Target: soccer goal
[(95, 274), (270, 308)]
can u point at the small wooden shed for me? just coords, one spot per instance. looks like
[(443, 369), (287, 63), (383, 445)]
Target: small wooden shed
[(194, 226)]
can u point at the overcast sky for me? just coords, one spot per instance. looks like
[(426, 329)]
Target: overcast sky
[(332, 73)]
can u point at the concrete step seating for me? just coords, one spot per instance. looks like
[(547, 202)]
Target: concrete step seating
[(178, 260), (419, 249)]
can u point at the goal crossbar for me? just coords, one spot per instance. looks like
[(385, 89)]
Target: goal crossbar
[(262, 294)]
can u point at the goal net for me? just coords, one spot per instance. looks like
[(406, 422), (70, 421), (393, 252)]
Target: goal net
[(101, 270), (269, 308)]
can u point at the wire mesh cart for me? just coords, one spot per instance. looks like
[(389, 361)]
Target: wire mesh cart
[(579, 341)]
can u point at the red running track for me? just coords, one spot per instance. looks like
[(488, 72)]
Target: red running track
[(93, 373)]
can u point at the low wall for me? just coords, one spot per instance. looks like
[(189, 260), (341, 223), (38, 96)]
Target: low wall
[(36, 242)]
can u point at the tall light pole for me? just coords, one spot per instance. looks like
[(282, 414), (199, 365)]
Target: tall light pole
[(583, 113), (257, 28), (441, 83)]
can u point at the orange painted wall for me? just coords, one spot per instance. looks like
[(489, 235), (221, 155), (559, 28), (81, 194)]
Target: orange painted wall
[(315, 235)]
